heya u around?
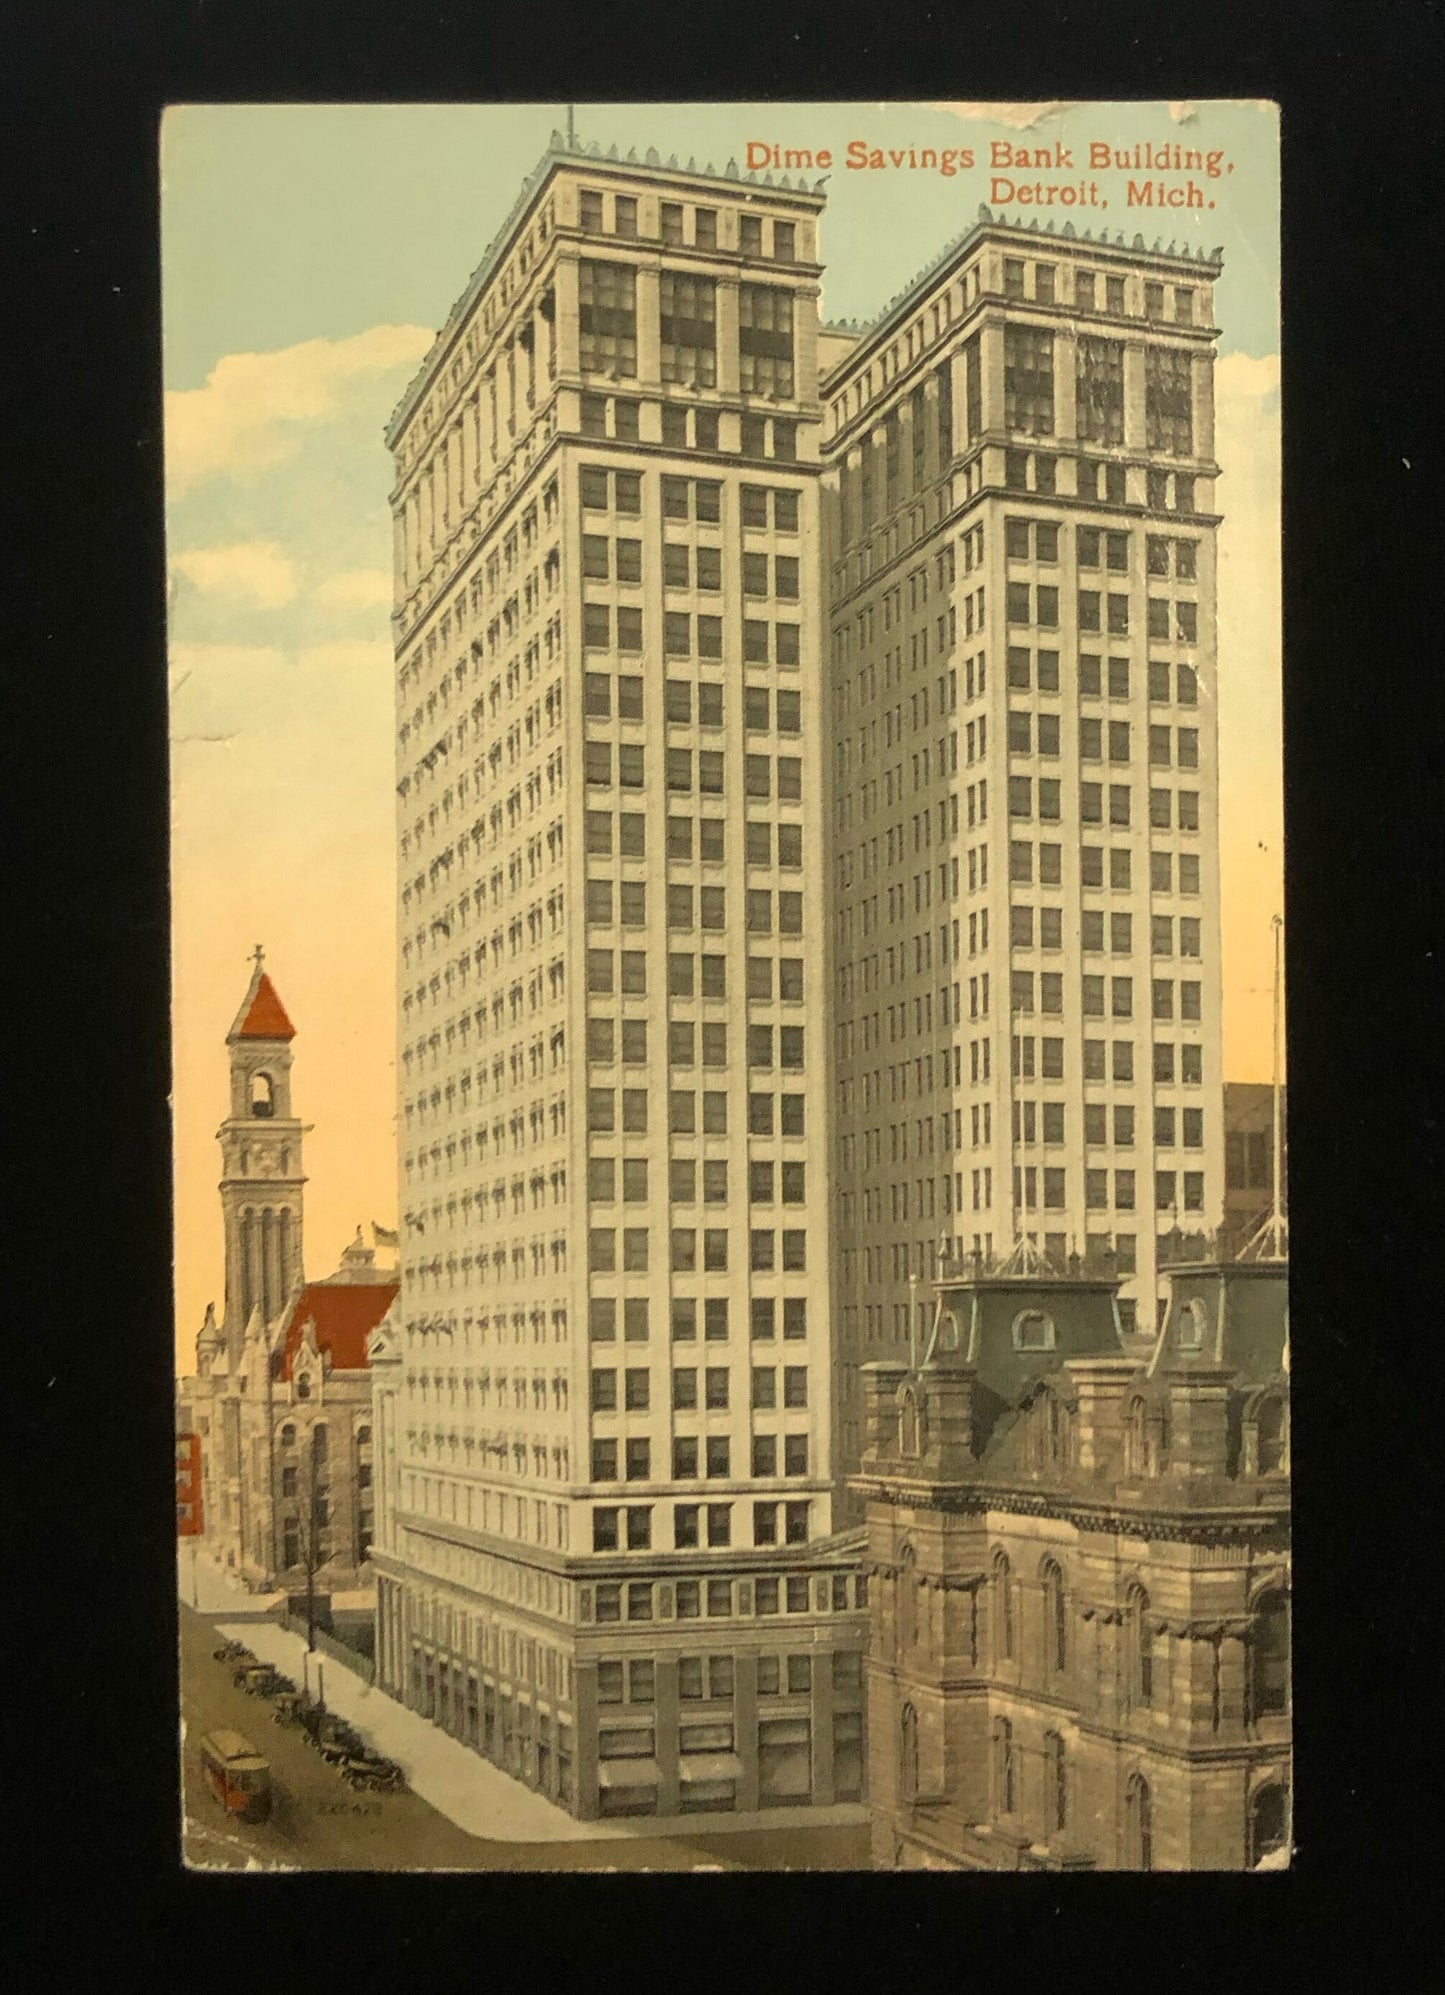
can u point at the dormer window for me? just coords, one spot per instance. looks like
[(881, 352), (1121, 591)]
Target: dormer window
[(1270, 1433), (303, 1385), (1033, 1331), (1191, 1327)]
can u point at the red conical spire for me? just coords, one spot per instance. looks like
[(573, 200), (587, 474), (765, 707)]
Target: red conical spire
[(262, 1014)]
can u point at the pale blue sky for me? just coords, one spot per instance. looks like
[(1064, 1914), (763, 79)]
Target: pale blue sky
[(287, 222)]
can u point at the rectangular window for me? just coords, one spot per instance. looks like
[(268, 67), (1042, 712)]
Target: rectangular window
[(1028, 380), (1099, 387), (607, 319), (765, 340), (1168, 401), (688, 329)]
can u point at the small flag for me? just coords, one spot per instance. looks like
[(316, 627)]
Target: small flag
[(384, 1236)]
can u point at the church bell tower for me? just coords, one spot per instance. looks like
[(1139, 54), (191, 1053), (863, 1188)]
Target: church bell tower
[(261, 1176)]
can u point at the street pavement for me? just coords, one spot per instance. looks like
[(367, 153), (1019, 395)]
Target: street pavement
[(319, 1823)]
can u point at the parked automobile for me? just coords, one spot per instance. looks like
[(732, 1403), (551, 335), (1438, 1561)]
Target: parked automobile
[(257, 1679), (367, 1770)]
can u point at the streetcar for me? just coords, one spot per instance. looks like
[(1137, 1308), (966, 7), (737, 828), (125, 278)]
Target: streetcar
[(239, 1777)]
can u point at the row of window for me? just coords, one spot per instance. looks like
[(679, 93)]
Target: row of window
[(1165, 806), (685, 704), (713, 1677), (1095, 291), (1045, 1121), (1030, 604), (1098, 480), (694, 1525), (1028, 671), (763, 1322), (763, 1253), (680, 223), (1095, 547), (683, 1311), (1049, 932), (1049, 871), (767, 1184), (711, 1459), (689, 567), (1029, 390), (687, 329), (703, 774), (1047, 987), (1040, 734)]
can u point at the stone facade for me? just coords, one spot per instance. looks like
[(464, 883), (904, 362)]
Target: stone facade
[(1080, 1574), (280, 1403)]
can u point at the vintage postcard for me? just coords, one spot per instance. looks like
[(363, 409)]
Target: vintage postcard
[(731, 1228)]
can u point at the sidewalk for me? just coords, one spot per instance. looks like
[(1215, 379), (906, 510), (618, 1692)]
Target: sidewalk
[(468, 1789), (210, 1589)]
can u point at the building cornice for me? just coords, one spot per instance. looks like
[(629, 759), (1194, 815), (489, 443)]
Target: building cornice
[(608, 165)]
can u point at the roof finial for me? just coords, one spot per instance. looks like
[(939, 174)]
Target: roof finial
[(258, 956)]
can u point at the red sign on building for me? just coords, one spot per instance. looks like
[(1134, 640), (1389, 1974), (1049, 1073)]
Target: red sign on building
[(189, 1521)]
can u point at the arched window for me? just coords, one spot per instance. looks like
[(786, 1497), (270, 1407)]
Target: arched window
[(1003, 1608), (1033, 1331), (1056, 1783), (910, 1425), (1141, 1643), (303, 1385), (908, 1599), (1056, 1622), (1004, 1765), (1136, 1437), (1139, 1823), (288, 1436), (1268, 1823), (908, 1754), (263, 1096), (1269, 1658), (363, 1435), (1269, 1436)]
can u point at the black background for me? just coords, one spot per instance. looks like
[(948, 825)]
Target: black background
[(89, 1778)]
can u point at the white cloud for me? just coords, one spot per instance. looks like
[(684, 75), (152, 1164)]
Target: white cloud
[(257, 571), (356, 589), (249, 415), (1019, 116)]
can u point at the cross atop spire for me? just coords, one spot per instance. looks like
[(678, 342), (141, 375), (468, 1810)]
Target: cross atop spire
[(258, 955)]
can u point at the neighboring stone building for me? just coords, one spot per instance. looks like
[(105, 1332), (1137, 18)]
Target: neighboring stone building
[(1080, 1570), (280, 1404), (607, 1547)]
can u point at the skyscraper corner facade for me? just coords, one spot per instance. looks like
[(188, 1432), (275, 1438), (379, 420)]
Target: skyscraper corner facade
[(1023, 775), (608, 1554)]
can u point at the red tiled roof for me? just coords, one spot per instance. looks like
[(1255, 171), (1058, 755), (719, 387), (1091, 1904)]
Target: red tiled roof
[(266, 1017), (345, 1314)]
